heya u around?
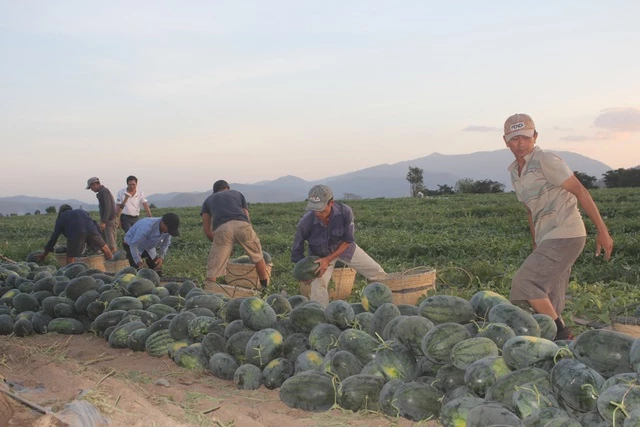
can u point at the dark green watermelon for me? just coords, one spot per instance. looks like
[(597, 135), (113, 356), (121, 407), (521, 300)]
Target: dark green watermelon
[(522, 351), (263, 346), (608, 352), (276, 372), (576, 385), (416, 401), (309, 391), (438, 341), (360, 392), (483, 373), (447, 309), (516, 318), (374, 295), (247, 377), (306, 268)]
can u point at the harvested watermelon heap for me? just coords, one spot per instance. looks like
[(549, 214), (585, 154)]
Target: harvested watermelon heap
[(475, 363)]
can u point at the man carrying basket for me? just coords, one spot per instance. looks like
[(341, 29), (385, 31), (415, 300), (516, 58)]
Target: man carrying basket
[(328, 228)]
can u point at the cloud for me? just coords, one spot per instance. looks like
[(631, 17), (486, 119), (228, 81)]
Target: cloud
[(577, 138), (473, 128), (561, 129), (619, 120)]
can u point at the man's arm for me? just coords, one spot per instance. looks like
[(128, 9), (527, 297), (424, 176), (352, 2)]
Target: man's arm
[(132, 238), (246, 212), (147, 209), (603, 239), (162, 250), (57, 230), (121, 202), (532, 229), (297, 249), (206, 226)]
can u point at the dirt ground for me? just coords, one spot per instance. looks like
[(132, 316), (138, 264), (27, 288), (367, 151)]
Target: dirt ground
[(135, 389)]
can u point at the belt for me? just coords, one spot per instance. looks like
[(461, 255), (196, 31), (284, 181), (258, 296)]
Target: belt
[(130, 216)]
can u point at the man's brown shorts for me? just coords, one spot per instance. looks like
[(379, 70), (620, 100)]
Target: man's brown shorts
[(224, 237), (545, 273)]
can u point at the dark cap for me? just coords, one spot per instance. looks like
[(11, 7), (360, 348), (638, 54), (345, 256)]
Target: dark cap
[(92, 180), (319, 196), (172, 221)]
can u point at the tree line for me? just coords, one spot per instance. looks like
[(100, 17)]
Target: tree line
[(611, 179)]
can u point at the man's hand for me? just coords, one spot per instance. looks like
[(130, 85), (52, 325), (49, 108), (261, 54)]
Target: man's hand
[(604, 241), (40, 258), (140, 265), (103, 226), (159, 262), (323, 264)]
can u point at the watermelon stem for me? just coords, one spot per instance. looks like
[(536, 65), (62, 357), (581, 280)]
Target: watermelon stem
[(562, 351)]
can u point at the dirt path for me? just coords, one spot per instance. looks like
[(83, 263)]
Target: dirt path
[(135, 389)]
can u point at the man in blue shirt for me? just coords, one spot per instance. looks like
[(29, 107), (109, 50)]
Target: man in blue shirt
[(328, 229), (146, 235), (79, 229)]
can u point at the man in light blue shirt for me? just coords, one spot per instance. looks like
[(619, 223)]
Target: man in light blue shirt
[(150, 238)]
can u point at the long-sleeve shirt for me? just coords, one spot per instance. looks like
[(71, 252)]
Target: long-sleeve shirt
[(106, 204), (72, 224), (145, 235), (323, 239)]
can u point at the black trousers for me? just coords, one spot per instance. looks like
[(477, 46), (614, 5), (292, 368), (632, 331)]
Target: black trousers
[(145, 256), (127, 221)]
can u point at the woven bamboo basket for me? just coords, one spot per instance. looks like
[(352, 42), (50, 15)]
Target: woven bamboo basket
[(93, 261), (229, 290), (115, 266), (244, 275), (624, 320), (340, 285), (61, 259), (408, 286)]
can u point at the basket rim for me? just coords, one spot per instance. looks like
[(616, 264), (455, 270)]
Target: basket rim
[(626, 319)]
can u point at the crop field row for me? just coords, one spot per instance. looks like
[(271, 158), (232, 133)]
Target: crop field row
[(474, 241)]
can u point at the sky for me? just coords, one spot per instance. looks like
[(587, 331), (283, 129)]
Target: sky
[(182, 94)]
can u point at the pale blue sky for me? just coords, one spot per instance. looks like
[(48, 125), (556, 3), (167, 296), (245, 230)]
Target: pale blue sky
[(184, 93)]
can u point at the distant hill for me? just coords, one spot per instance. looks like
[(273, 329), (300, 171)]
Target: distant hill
[(386, 180), (26, 204)]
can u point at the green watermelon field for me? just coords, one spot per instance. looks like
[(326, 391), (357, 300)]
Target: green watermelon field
[(475, 242)]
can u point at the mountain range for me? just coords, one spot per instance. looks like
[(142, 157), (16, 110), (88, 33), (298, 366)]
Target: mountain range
[(26, 204), (385, 180)]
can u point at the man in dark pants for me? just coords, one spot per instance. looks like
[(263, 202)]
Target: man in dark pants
[(79, 229), (107, 208), (149, 238)]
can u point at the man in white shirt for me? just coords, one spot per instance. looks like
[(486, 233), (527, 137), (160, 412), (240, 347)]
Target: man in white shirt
[(129, 202)]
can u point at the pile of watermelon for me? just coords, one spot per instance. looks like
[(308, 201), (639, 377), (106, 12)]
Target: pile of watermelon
[(479, 362)]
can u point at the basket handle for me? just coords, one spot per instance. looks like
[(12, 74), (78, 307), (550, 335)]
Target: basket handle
[(420, 269)]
